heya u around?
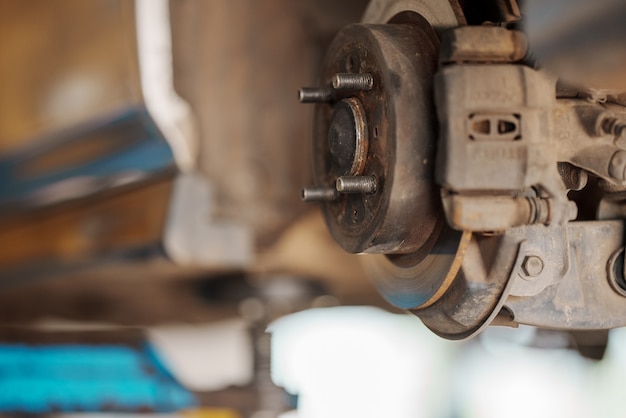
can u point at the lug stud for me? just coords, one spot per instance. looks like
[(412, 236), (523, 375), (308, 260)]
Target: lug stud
[(315, 95), (347, 81), (356, 184), (318, 194)]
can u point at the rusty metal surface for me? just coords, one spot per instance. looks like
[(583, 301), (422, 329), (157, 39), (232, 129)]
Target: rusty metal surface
[(454, 282), (419, 280), (513, 141), (581, 293), (506, 173), (511, 151), (400, 153), (477, 295)]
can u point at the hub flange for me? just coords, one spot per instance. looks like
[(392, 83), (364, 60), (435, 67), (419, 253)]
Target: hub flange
[(381, 125)]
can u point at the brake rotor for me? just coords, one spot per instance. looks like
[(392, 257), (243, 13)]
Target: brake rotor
[(374, 157)]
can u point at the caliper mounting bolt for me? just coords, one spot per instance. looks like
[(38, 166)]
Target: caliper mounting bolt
[(532, 266)]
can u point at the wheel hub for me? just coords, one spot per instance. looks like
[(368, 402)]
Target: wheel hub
[(374, 138), (348, 137), (374, 146), (509, 139)]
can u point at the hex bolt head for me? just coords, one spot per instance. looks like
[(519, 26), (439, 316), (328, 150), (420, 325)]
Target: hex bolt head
[(532, 266)]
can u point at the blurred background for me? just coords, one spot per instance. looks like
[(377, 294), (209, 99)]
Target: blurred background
[(151, 158)]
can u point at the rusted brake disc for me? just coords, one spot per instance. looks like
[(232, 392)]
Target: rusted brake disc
[(374, 156)]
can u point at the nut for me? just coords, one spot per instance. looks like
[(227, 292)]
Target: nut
[(532, 266)]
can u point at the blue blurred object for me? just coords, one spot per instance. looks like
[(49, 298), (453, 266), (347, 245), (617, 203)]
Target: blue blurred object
[(117, 150), (65, 378)]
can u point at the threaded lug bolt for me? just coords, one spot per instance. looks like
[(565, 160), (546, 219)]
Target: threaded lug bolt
[(347, 81), (315, 95), (318, 194), (356, 184)]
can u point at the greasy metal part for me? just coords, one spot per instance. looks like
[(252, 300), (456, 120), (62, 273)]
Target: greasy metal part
[(318, 194), (512, 151), (508, 153), (455, 282), (347, 81), (315, 94), (566, 275), (456, 285), (491, 44), (580, 293), (422, 258), (356, 184)]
